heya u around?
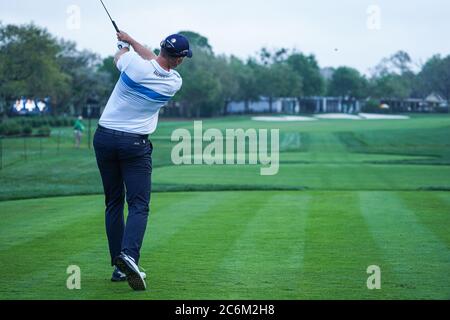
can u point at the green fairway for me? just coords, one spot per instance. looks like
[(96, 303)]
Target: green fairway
[(349, 194), (233, 245), (324, 155)]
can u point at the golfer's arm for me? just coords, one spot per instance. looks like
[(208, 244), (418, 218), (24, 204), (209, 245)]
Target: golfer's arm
[(119, 54), (144, 52)]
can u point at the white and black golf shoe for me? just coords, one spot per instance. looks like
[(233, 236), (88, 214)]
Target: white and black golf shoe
[(135, 278), (118, 276)]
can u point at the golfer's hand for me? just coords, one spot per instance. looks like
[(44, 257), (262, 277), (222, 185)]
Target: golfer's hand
[(125, 37)]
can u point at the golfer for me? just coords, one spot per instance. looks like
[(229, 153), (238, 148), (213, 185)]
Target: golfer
[(123, 150), (78, 130)]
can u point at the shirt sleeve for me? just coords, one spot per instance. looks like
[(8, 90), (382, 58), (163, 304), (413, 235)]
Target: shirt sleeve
[(178, 85), (126, 60)]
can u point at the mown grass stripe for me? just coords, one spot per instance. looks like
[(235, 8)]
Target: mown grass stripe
[(50, 254), (338, 249), (83, 243), (420, 259), (197, 242), (169, 217), (432, 210), (268, 255), (185, 266), (37, 218)]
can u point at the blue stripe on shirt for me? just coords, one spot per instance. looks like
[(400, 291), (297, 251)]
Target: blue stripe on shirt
[(149, 93)]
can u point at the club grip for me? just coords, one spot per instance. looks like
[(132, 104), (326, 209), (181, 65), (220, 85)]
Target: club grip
[(115, 26)]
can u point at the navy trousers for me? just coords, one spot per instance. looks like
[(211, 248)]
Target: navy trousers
[(125, 164)]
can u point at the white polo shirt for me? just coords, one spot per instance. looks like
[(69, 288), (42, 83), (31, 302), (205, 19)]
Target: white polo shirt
[(143, 89)]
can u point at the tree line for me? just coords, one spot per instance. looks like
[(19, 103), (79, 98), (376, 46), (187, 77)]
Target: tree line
[(34, 63)]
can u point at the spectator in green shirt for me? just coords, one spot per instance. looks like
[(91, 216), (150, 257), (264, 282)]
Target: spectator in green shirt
[(79, 129)]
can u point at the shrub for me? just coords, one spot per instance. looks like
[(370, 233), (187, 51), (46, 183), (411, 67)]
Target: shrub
[(371, 106), (35, 123), (44, 131), (12, 128), (44, 122), (68, 122), (27, 130), (25, 125), (52, 122)]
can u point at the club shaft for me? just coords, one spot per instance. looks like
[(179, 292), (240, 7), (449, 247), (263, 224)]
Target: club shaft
[(113, 22)]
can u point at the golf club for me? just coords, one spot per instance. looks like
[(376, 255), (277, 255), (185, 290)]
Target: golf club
[(113, 22)]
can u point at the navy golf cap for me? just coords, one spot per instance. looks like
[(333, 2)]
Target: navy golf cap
[(177, 45)]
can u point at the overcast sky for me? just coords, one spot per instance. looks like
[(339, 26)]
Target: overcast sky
[(356, 33)]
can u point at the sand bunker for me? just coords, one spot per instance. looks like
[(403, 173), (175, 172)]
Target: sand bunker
[(338, 116), (370, 116), (283, 119)]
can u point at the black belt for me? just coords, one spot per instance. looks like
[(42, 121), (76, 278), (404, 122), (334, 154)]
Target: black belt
[(121, 133)]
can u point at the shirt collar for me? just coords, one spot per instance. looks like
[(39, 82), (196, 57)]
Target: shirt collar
[(161, 69)]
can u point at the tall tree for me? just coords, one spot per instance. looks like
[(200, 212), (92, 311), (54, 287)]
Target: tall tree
[(29, 64), (308, 69), (246, 80), (86, 79), (201, 92), (399, 63), (435, 76), (231, 77), (393, 77), (278, 79), (108, 66), (347, 82), (198, 41), (390, 86)]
